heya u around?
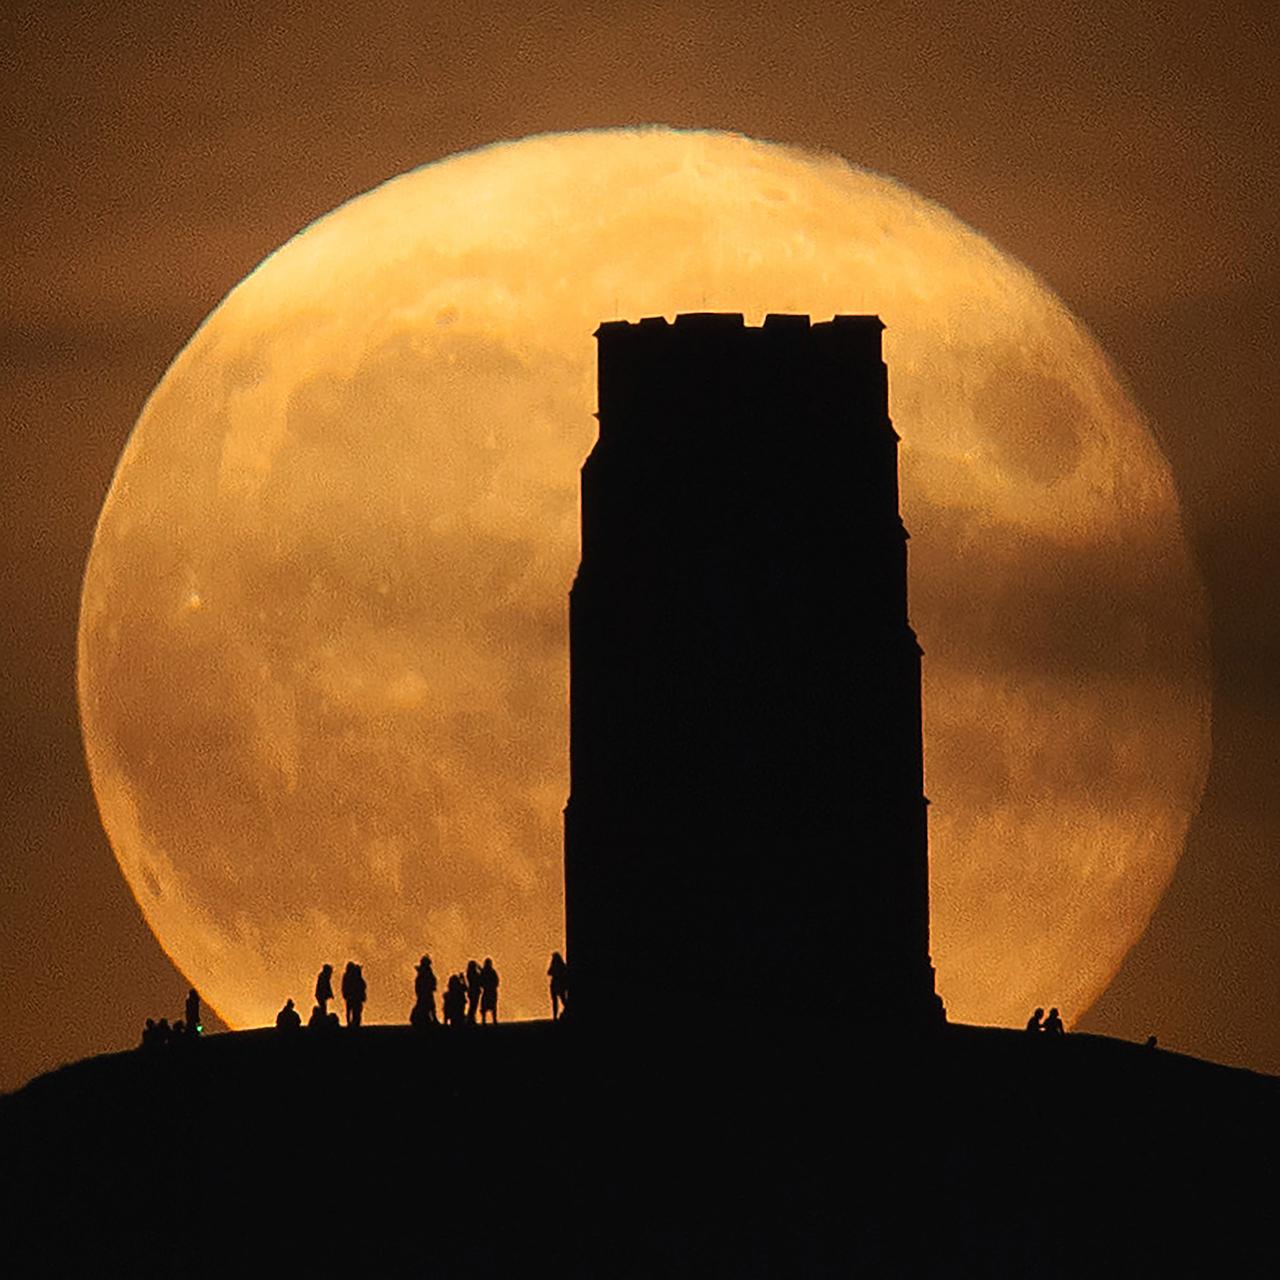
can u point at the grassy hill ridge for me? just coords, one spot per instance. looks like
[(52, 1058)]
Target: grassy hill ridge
[(752, 1150)]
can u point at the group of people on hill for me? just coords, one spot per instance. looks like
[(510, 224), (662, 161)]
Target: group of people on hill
[(355, 992), (1038, 1024), (157, 1034), (465, 995)]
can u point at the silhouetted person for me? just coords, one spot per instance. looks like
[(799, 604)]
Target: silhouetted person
[(288, 1019), (424, 991), (558, 972), (473, 989), (164, 1033), (1151, 1042), (324, 988), (354, 992), (1053, 1024), (193, 1013), (149, 1034), (318, 1020), (1034, 1022), (455, 1000), (488, 990)]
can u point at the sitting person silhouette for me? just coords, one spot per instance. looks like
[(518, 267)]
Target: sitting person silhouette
[(1034, 1022), (1053, 1024), (488, 990), (473, 989), (288, 1019), (354, 992), (558, 972), (321, 1021), (324, 988), (424, 992)]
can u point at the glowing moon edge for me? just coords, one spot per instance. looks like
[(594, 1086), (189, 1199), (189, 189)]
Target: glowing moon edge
[(321, 659)]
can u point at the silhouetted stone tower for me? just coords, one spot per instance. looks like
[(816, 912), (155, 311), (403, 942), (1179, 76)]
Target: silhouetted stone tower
[(747, 819)]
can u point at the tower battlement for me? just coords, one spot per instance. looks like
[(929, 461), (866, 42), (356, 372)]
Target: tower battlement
[(775, 323), (710, 357)]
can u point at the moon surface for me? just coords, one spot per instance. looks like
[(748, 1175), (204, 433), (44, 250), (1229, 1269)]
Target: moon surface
[(323, 638)]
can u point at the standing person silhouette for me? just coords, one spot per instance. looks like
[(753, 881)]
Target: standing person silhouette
[(488, 991), (474, 986), (558, 972), (324, 989), (455, 1000), (424, 991), (354, 992), (192, 1013)]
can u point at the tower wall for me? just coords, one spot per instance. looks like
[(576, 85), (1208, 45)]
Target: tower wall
[(746, 828)]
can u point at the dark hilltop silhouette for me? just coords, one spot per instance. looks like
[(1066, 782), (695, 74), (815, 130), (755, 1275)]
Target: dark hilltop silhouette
[(747, 1071)]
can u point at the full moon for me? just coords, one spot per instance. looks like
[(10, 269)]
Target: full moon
[(323, 636)]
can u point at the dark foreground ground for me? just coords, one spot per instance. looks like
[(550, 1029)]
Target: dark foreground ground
[(522, 1151)]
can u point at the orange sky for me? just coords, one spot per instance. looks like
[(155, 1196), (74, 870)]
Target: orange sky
[(152, 159)]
